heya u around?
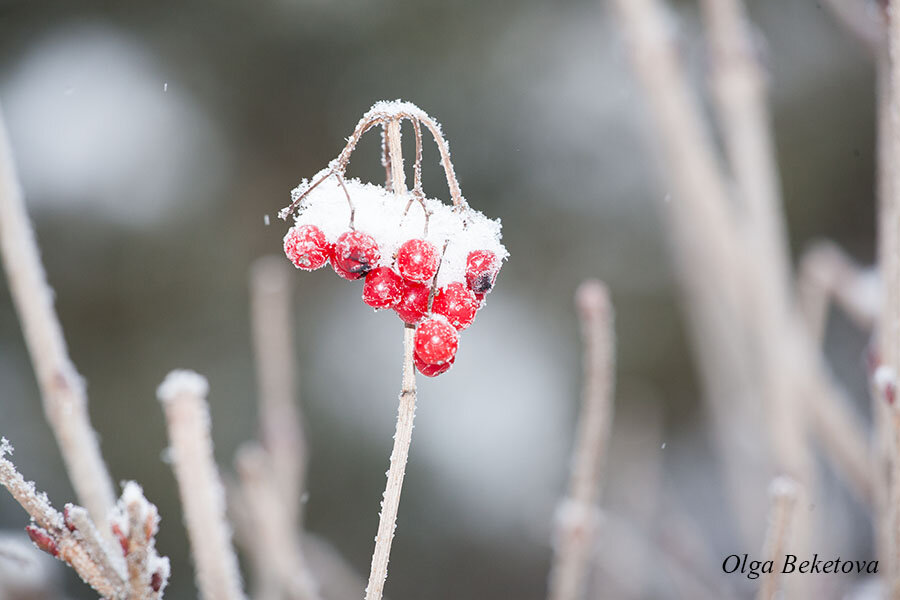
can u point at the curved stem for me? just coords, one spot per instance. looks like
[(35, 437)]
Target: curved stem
[(406, 412)]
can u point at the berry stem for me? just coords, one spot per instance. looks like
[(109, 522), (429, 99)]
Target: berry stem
[(406, 412)]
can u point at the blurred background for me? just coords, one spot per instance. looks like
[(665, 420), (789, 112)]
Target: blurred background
[(156, 141)]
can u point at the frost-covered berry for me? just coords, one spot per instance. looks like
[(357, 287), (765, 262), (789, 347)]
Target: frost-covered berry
[(436, 341), (432, 370), (456, 302), (413, 304), (481, 270), (355, 254), (417, 260), (383, 288), (307, 247)]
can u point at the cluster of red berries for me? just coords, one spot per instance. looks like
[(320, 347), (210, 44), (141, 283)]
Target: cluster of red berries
[(406, 287)]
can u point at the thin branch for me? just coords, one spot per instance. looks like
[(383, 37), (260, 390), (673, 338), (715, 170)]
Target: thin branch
[(708, 258), (577, 517), (406, 413), (276, 366), (183, 396), (62, 389), (282, 558), (889, 266), (828, 275), (784, 492)]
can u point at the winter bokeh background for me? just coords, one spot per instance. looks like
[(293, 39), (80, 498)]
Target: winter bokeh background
[(157, 140)]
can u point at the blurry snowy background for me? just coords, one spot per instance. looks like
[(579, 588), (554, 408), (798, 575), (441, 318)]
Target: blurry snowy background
[(153, 138)]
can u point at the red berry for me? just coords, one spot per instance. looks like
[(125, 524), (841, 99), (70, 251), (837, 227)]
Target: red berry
[(413, 304), (432, 370), (436, 341), (481, 270), (383, 288), (417, 260), (307, 247), (456, 302), (355, 254)]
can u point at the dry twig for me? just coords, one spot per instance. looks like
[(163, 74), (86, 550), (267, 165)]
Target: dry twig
[(577, 518), (406, 413), (784, 492), (183, 396), (62, 389)]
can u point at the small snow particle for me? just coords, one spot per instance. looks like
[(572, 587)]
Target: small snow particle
[(663, 447), (166, 86), (266, 220)]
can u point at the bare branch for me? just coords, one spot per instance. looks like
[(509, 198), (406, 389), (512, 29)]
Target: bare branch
[(64, 397), (183, 396), (578, 513)]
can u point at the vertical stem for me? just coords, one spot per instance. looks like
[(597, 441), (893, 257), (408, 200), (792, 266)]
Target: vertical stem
[(62, 389), (889, 266), (273, 345), (784, 492), (405, 414), (577, 516)]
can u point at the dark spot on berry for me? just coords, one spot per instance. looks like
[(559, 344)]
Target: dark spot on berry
[(360, 264), (482, 283)]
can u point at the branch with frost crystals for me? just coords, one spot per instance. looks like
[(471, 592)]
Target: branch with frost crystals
[(71, 537), (183, 396), (406, 413), (578, 513), (62, 390), (280, 420), (784, 492), (136, 526)]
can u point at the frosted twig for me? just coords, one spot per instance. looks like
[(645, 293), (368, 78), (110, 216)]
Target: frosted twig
[(280, 421), (784, 492), (60, 537), (702, 255), (827, 274), (78, 519), (577, 515), (183, 396), (383, 114), (406, 412), (283, 559), (62, 390), (138, 524)]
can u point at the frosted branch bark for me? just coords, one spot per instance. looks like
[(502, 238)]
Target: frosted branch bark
[(280, 420), (62, 390), (406, 412), (784, 492), (578, 514), (183, 396)]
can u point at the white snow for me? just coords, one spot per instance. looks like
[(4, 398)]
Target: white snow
[(383, 215), (182, 381)]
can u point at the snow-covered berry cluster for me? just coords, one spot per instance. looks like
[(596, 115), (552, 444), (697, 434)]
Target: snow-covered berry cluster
[(430, 262)]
